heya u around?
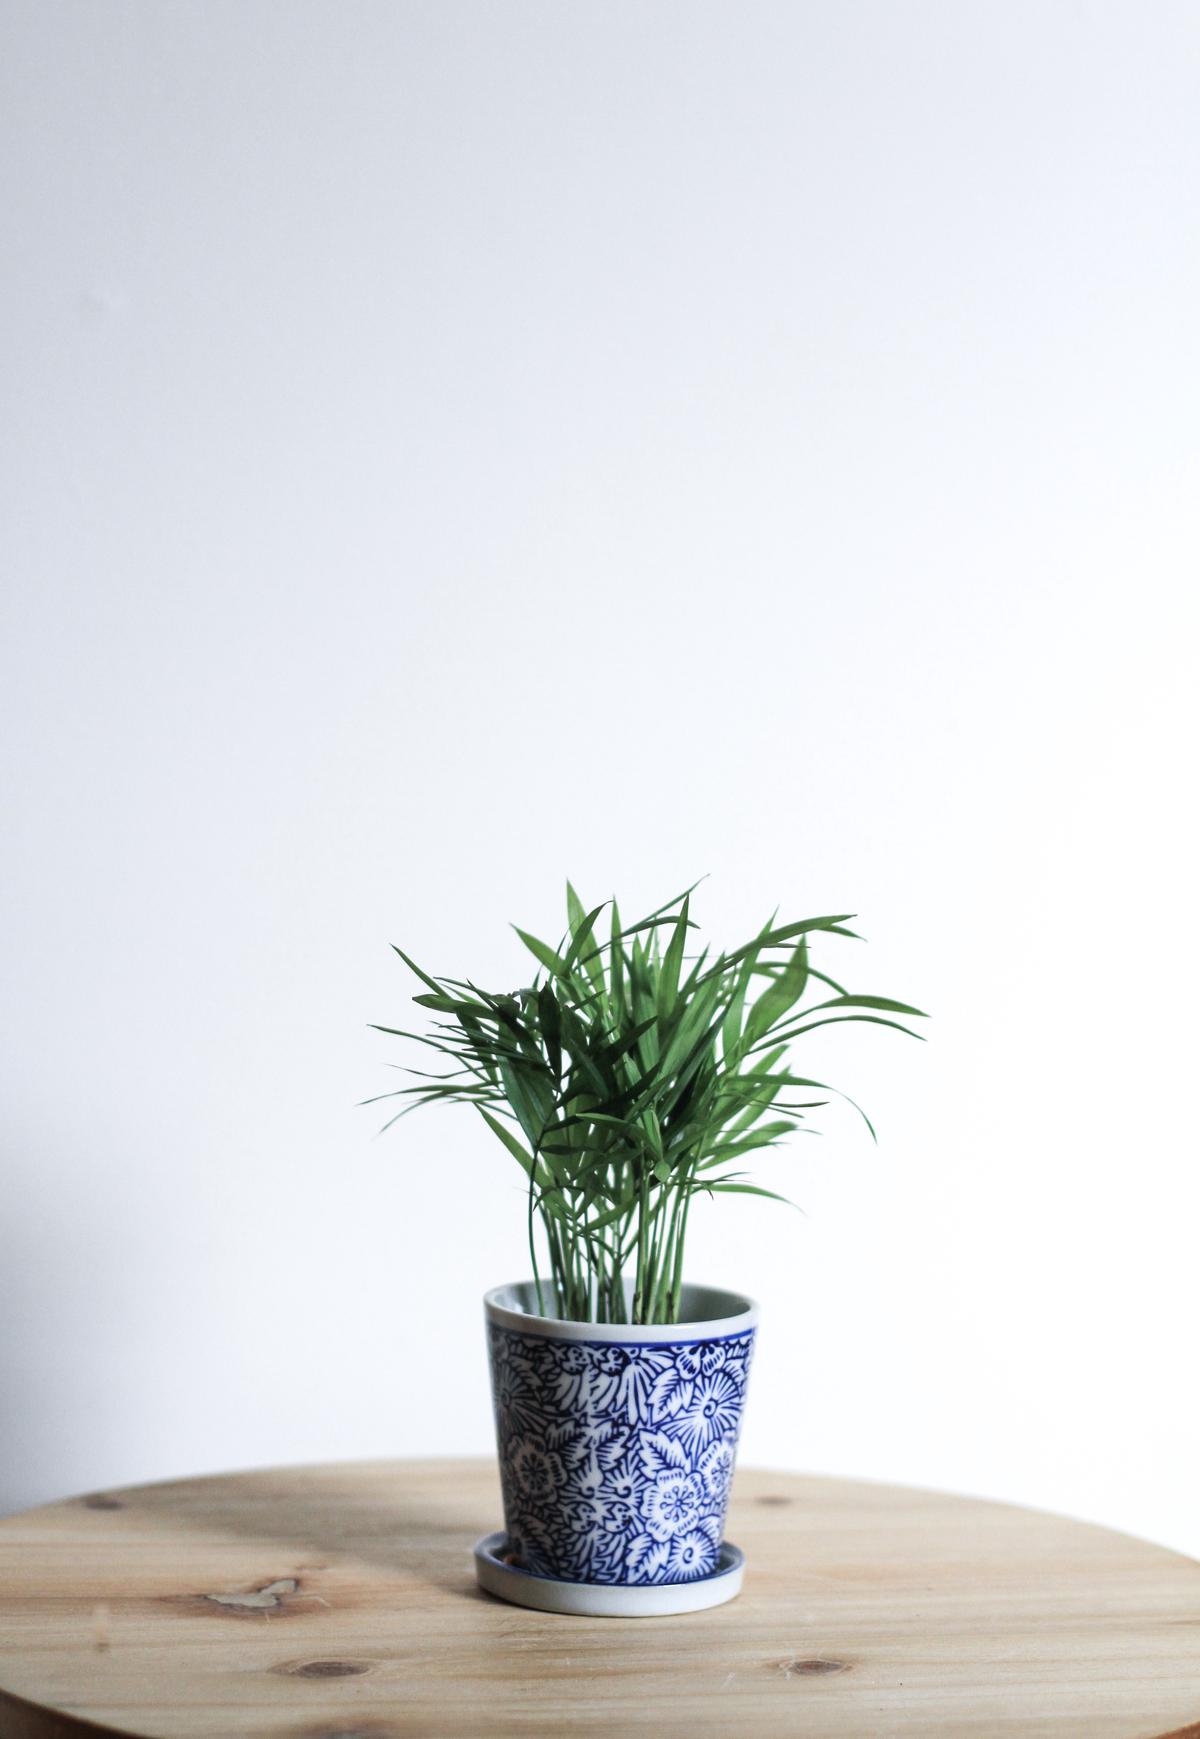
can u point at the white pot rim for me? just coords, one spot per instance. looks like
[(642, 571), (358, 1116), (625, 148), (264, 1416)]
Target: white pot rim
[(707, 1313)]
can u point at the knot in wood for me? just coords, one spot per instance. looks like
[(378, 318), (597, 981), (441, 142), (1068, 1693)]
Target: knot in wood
[(819, 1666)]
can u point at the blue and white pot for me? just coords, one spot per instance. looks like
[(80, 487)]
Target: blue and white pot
[(617, 1443)]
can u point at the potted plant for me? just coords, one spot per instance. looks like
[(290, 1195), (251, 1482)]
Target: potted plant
[(632, 1075)]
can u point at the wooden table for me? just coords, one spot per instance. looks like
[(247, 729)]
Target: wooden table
[(338, 1603)]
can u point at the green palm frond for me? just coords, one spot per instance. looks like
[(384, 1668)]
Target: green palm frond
[(624, 1074)]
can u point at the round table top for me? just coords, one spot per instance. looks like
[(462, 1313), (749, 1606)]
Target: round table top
[(339, 1603)]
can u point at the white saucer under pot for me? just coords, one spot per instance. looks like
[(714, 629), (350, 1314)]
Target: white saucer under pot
[(605, 1600)]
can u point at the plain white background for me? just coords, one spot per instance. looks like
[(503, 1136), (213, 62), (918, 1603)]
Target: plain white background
[(448, 447)]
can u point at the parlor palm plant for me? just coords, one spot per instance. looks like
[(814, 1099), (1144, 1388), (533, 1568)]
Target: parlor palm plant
[(630, 1076)]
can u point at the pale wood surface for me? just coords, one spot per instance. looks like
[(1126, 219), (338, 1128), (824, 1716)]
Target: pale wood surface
[(338, 1603)]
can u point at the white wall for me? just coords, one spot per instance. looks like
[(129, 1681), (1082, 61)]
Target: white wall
[(451, 446)]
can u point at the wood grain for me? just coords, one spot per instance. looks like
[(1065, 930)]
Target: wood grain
[(338, 1603)]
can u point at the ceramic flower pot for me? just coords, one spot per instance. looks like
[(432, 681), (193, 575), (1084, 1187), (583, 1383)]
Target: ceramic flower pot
[(616, 1442)]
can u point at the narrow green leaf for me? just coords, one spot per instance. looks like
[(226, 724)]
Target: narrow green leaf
[(448, 1004), (842, 1020), (524, 1159), (885, 1003), (750, 1189), (581, 953), (782, 994), (546, 956), (551, 1022), (775, 938), (413, 967)]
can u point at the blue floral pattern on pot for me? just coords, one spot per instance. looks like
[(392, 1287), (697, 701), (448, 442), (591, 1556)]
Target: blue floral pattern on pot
[(616, 1458)]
